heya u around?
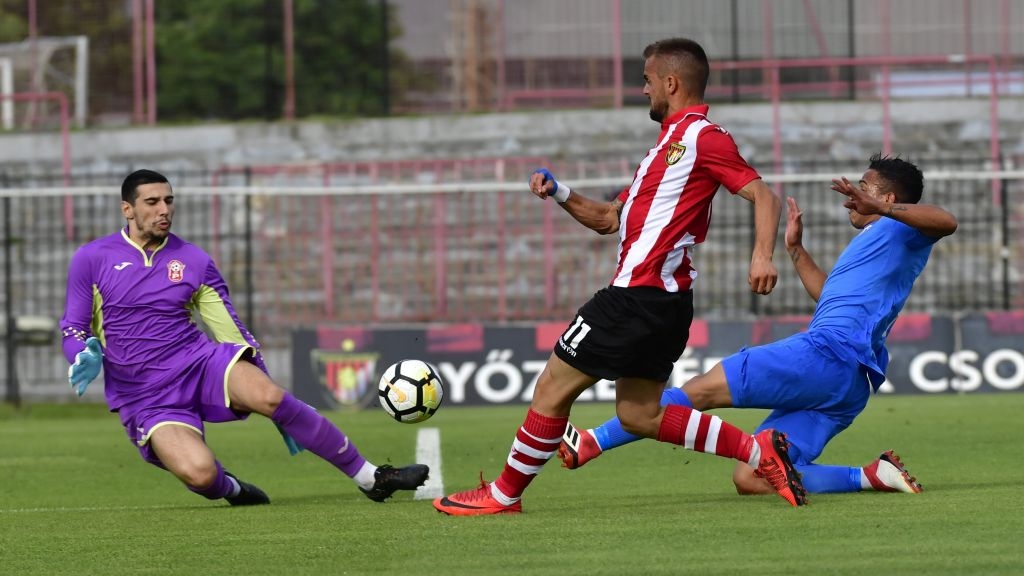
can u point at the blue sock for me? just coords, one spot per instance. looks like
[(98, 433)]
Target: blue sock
[(820, 479), (611, 435)]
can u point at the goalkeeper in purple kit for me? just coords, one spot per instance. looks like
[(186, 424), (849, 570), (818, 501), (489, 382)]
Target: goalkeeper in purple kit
[(130, 299)]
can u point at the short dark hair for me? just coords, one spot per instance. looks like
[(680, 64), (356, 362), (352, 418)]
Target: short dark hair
[(905, 178), (684, 57), (130, 186)]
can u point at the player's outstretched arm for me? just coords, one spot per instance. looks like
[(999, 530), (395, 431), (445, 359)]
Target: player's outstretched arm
[(928, 219), (763, 276), (601, 217), (82, 350), (812, 277)]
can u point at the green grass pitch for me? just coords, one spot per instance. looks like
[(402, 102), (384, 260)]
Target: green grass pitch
[(76, 499)]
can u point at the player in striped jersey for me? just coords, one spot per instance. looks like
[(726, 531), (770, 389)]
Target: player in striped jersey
[(635, 329), (818, 381), (130, 296)]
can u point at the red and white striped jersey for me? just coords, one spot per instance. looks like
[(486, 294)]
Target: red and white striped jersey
[(667, 208)]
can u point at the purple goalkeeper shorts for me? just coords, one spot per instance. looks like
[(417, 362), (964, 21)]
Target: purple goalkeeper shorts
[(198, 395)]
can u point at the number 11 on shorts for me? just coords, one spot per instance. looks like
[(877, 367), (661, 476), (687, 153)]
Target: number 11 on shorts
[(575, 333)]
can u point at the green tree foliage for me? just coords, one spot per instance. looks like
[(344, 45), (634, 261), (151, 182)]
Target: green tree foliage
[(340, 69), (13, 24), (225, 59), (211, 58)]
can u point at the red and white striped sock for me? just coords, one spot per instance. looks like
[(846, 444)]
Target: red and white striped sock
[(700, 432), (536, 442)]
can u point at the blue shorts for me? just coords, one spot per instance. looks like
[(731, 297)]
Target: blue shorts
[(200, 395), (813, 394)]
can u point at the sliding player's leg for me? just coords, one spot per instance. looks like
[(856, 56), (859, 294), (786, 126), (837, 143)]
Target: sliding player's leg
[(251, 390), (809, 431), (885, 474), (767, 451), (167, 428), (174, 441)]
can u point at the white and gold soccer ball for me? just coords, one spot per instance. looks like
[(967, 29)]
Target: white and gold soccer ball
[(410, 391)]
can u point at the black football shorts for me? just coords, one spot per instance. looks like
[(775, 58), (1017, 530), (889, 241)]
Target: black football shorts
[(632, 332)]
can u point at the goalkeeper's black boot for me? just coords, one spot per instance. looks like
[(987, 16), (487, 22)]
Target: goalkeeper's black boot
[(387, 479), (249, 495)]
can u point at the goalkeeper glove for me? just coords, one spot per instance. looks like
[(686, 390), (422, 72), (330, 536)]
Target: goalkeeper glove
[(560, 192), (86, 367)]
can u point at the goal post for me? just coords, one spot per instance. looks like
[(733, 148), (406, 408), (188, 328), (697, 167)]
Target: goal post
[(32, 59), (6, 94)]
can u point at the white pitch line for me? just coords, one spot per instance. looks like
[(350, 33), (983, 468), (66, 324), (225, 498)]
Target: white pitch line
[(428, 451)]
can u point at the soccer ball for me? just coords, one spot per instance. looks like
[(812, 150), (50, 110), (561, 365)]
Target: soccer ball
[(410, 391)]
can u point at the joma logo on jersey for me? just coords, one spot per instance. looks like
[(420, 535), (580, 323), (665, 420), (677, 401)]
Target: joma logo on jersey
[(175, 270), (675, 152)]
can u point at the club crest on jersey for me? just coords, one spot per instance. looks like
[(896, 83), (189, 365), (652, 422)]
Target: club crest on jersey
[(675, 152), (175, 270)]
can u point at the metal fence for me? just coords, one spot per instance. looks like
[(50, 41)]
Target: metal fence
[(483, 250)]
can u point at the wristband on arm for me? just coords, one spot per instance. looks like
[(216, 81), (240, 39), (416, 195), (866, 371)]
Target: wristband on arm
[(560, 192)]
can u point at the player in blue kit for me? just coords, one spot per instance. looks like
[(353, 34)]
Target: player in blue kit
[(818, 381), (130, 298)]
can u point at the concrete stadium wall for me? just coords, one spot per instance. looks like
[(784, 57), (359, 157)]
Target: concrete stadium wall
[(822, 132)]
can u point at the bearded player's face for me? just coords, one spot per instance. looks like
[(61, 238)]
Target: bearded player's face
[(654, 89), (152, 212)]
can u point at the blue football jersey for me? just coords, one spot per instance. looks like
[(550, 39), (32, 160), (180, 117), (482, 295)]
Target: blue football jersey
[(866, 290)]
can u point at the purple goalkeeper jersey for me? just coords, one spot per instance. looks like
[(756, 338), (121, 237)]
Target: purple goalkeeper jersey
[(140, 307)]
